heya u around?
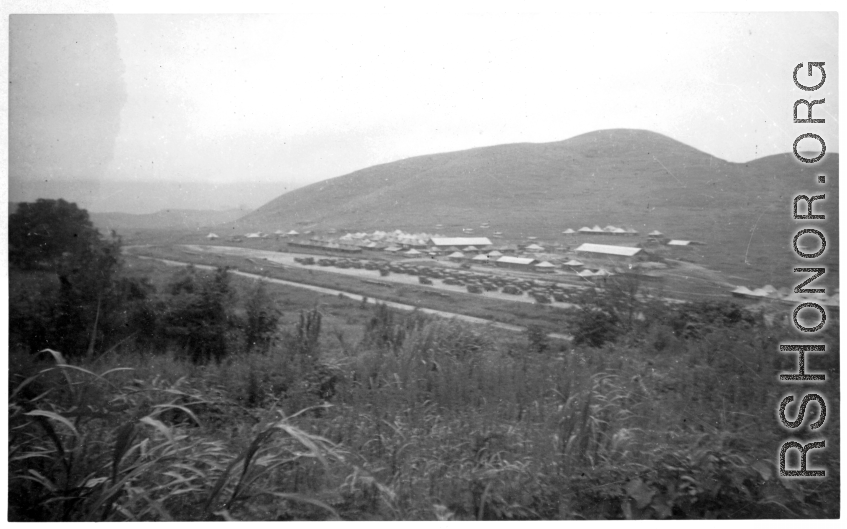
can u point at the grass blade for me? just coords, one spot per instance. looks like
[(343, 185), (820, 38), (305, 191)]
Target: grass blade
[(55, 417)]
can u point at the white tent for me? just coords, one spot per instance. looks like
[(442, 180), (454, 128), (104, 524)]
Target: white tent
[(742, 291), (211, 236)]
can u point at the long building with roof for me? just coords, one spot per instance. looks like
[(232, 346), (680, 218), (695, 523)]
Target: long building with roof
[(460, 242), (607, 252), (517, 263)]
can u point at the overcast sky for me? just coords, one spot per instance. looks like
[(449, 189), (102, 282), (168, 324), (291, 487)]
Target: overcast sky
[(296, 97)]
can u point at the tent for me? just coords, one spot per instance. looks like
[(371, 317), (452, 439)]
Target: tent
[(413, 252), (545, 267), (742, 292), (573, 262), (586, 273), (568, 232), (211, 236)]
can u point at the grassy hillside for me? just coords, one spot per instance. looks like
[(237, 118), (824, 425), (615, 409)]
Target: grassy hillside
[(623, 177)]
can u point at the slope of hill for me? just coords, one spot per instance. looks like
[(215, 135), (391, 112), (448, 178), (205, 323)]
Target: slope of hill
[(622, 177), (167, 220)]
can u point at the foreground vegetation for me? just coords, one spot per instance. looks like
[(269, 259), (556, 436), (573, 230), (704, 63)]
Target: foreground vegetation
[(216, 400)]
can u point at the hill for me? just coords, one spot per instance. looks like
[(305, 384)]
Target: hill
[(622, 177), (166, 220)]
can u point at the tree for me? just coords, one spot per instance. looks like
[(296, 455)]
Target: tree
[(606, 314), (55, 236), (46, 233)]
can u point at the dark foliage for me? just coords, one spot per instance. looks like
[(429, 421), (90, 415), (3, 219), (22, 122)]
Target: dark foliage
[(74, 296), (47, 234), (693, 320), (196, 315), (261, 319)]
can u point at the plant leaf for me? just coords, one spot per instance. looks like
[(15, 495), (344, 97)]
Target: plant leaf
[(55, 417), (159, 425)]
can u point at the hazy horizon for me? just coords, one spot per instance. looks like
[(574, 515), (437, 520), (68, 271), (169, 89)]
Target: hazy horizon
[(285, 100)]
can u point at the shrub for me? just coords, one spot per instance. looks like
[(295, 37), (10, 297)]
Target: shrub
[(197, 314), (261, 319)]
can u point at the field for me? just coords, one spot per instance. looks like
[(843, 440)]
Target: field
[(361, 413), (522, 314)]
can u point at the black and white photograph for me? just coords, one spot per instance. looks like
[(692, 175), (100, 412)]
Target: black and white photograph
[(441, 262)]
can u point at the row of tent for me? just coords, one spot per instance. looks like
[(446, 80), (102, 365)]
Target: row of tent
[(256, 235), (608, 230), (785, 294), (396, 236)]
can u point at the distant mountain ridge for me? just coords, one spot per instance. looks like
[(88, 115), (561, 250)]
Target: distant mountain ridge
[(169, 219), (624, 177)]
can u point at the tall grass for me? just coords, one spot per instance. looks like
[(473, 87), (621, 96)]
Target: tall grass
[(427, 420)]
